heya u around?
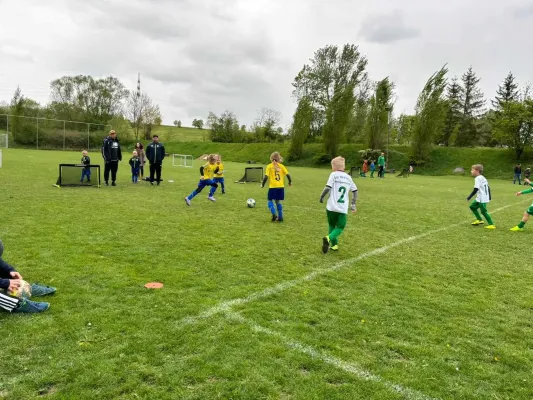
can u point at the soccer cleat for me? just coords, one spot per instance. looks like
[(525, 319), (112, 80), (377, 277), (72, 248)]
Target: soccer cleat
[(516, 229), (41, 290), (477, 222), (274, 218), (211, 198), (113, 184), (325, 244), (187, 201), (335, 248), (490, 227), (28, 306)]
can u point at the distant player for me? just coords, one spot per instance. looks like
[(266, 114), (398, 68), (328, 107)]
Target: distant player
[(86, 171), (381, 164), (207, 173), (219, 173), (339, 186), (372, 168), (276, 172), (528, 212), (482, 190), (135, 163)]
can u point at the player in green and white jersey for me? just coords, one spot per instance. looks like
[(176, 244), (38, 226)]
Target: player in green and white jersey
[(528, 212), (482, 192)]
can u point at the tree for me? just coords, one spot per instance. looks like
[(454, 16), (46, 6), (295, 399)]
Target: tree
[(405, 125), (429, 117), (198, 123), (507, 91), (141, 111), (17, 109), (356, 125), (453, 112), (177, 123), (224, 128), (514, 126), (152, 116), (301, 125), (378, 114), (472, 106), (87, 99), (337, 118), (265, 125)]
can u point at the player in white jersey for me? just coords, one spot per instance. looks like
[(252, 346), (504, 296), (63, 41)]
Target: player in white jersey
[(339, 186), (482, 192)]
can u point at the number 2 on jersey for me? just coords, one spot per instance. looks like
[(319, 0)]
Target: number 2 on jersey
[(342, 190)]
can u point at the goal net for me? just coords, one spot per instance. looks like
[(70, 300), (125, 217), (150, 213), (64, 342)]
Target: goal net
[(78, 175), (355, 172), (4, 141), (252, 174), (182, 160)]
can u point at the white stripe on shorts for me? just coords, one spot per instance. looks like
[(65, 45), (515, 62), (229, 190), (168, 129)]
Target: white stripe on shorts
[(8, 303)]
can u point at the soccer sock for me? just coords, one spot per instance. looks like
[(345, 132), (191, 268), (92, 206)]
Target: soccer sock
[(476, 213), (487, 216), (212, 191), (521, 224), (192, 195), (280, 210), (222, 186), (271, 207)]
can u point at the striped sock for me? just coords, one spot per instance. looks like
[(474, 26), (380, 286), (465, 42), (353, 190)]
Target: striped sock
[(8, 303)]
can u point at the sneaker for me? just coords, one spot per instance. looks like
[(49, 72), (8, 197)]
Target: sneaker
[(113, 184), (490, 227), (477, 222), (325, 245), (211, 198), (516, 229), (274, 218), (335, 248), (187, 201), (41, 290), (28, 306)]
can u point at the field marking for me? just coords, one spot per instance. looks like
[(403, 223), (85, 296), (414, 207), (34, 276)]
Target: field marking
[(348, 367), (226, 306)]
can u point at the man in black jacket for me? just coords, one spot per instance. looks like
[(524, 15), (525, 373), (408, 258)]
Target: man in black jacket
[(155, 153), (112, 155)]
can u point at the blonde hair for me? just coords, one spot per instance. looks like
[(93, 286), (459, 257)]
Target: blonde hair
[(338, 164), (276, 158), (135, 153), (212, 158), (478, 167), (218, 157)]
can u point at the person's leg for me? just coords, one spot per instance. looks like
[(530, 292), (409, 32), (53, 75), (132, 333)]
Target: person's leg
[(114, 169), (270, 204), (485, 213), (158, 173), (152, 172), (196, 191), (8, 303), (525, 218), (474, 207), (279, 207), (222, 185), (142, 171), (107, 170), (332, 224), (340, 224), (214, 189)]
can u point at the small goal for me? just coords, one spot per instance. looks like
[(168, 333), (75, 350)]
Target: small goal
[(182, 160), (252, 174), (78, 175)]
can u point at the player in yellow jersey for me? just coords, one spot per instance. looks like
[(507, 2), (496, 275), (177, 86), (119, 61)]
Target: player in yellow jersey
[(276, 172), (207, 173), (219, 173)]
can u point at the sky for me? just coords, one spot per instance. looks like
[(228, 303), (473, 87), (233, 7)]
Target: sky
[(197, 56)]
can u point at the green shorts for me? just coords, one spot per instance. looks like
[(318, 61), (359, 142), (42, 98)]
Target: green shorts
[(530, 210)]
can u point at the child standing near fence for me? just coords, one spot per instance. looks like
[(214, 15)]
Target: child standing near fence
[(135, 164)]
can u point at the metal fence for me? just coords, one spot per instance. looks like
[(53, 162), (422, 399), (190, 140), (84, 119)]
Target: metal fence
[(46, 133)]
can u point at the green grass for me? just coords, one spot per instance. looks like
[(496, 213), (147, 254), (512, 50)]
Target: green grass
[(447, 314)]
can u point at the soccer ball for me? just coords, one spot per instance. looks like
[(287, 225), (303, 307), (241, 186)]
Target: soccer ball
[(24, 291), (250, 203)]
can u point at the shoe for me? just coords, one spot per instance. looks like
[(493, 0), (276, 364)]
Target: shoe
[(151, 183), (211, 198), (223, 192), (335, 248), (280, 219), (516, 229), (28, 306), (325, 245), (274, 218), (113, 184), (158, 183), (490, 227), (41, 290), (477, 222), (107, 183), (187, 201)]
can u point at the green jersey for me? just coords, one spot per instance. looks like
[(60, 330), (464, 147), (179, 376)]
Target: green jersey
[(381, 161)]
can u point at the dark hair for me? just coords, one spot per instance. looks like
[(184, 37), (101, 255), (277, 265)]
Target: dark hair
[(140, 145), (155, 136)]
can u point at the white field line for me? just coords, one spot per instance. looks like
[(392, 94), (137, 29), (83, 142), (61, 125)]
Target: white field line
[(225, 306), (348, 367)]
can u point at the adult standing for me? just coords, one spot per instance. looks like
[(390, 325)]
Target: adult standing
[(155, 152), (142, 157), (112, 155), (381, 164), (517, 173)]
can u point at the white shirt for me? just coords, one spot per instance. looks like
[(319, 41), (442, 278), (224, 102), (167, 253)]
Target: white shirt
[(482, 185), (341, 185)]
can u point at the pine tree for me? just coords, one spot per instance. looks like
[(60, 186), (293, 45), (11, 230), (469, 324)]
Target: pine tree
[(301, 125), (472, 102), (453, 111), (507, 91), (378, 114)]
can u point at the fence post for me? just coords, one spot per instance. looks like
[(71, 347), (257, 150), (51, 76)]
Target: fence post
[(37, 133), (88, 139), (64, 135)]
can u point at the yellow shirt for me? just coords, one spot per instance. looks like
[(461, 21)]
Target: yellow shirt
[(276, 178), (209, 171), (220, 173)]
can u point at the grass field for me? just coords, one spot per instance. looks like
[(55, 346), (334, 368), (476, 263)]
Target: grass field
[(417, 304)]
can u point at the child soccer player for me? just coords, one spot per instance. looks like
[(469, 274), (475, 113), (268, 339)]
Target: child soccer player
[(207, 173), (338, 186), (276, 172), (219, 173), (482, 189), (135, 163), (372, 168), (86, 171), (528, 212), (364, 170)]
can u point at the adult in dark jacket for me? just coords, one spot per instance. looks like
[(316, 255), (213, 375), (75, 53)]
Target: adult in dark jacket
[(155, 153), (11, 280), (112, 155), (517, 173)]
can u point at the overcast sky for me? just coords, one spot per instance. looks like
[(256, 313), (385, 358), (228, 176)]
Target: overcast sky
[(197, 56)]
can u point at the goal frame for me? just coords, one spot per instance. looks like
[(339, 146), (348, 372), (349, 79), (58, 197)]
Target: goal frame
[(244, 178), (96, 166), (182, 157), (4, 141)]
